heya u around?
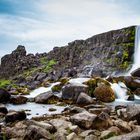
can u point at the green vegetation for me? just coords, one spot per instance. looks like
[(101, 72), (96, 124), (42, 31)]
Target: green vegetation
[(47, 65), (52, 109), (57, 88), (4, 83)]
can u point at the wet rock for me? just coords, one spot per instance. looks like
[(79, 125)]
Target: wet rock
[(40, 76), (4, 96), (131, 97), (104, 93), (76, 109), (136, 73), (72, 91), (84, 119), (72, 73), (15, 116), (133, 112), (35, 133), (18, 99), (84, 99), (3, 109), (75, 129), (46, 98), (59, 136)]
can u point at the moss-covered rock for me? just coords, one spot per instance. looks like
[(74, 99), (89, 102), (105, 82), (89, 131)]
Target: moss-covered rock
[(104, 93)]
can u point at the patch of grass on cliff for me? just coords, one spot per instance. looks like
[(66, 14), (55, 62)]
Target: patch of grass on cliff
[(48, 65), (4, 83)]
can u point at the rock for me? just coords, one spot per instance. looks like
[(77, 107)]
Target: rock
[(123, 125), (52, 109), (131, 97), (40, 76), (71, 136), (46, 98), (72, 91), (89, 132), (97, 111), (76, 109), (91, 137), (133, 112), (102, 121), (104, 93), (75, 129), (15, 116), (84, 119), (59, 136), (3, 109), (84, 99), (36, 133), (115, 129), (134, 135), (107, 134), (4, 96), (136, 73), (41, 124), (137, 91), (60, 123), (18, 99), (72, 73)]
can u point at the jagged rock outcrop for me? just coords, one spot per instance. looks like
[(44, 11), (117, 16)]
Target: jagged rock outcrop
[(17, 62), (99, 55)]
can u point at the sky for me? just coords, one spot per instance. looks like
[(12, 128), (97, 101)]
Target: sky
[(40, 25)]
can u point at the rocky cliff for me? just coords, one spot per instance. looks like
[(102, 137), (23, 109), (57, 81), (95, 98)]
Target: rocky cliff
[(101, 55)]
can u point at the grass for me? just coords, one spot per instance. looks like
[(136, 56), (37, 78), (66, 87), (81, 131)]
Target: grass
[(4, 83)]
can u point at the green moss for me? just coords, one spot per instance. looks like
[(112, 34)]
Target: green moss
[(52, 109), (47, 66), (92, 85), (57, 88), (4, 83)]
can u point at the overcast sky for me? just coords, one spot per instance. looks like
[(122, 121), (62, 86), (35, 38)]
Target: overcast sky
[(42, 24)]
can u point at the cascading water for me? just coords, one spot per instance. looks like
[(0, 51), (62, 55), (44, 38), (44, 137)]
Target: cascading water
[(136, 63), (118, 89)]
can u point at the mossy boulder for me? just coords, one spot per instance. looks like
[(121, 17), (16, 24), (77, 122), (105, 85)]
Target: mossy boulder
[(93, 83), (104, 93)]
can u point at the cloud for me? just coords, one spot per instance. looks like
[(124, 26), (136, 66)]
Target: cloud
[(41, 25)]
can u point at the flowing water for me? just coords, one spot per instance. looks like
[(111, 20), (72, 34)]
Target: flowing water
[(120, 90)]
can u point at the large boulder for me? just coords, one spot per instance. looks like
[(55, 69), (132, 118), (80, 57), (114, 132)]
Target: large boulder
[(46, 98), (104, 93), (72, 91), (84, 99), (18, 99), (36, 133), (136, 73), (4, 96), (15, 116), (83, 119), (133, 112)]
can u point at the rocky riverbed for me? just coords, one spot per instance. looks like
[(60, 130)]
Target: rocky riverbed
[(72, 109)]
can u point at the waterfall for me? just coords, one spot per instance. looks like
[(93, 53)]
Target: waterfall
[(136, 63), (119, 89)]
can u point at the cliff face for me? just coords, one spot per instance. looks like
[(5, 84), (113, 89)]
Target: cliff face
[(100, 55)]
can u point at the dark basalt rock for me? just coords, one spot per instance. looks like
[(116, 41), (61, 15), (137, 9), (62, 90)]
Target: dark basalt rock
[(15, 116), (136, 73), (4, 96)]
